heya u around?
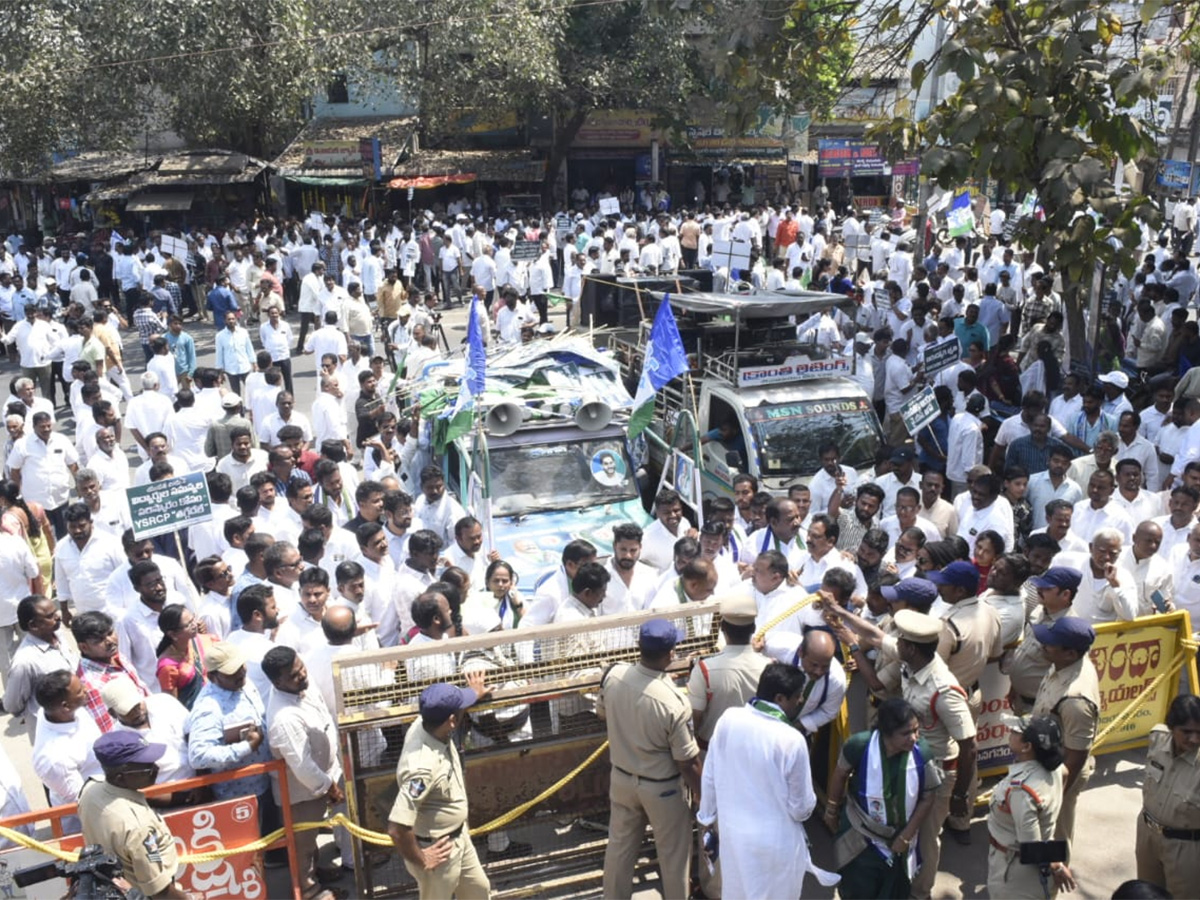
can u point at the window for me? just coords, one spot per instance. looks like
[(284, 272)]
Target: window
[(337, 91)]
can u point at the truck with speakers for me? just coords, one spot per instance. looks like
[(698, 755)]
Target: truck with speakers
[(769, 384), (544, 458)]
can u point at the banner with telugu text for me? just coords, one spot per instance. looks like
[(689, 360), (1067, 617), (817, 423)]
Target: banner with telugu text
[(1128, 656)]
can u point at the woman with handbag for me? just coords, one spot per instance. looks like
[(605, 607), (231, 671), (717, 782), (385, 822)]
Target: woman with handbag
[(887, 778)]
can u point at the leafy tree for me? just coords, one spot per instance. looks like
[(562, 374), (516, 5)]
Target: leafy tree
[(1044, 104)]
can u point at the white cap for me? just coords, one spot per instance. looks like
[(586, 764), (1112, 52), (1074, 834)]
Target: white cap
[(1120, 379)]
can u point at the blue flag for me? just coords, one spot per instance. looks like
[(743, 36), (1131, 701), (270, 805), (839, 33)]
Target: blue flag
[(475, 374), (960, 218), (665, 359)]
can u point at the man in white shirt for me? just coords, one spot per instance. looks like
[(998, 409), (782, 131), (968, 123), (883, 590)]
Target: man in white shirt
[(658, 540), (1140, 505), (62, 751), (483, 274), (244, 459), (964, 442), (329, 421), (1107, 592), (328, 339), (1053, 484), (450, 258), (985, 512), (828, 478), (1099, 511), (632, 584), (435, 507), (1151, 569), (822, 556), (1185, 566), (43, 465)]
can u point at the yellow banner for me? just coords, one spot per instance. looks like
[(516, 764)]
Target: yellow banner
[(1128, 657)]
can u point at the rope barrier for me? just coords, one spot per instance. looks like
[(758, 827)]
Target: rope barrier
[(787, 613), (364, 834)]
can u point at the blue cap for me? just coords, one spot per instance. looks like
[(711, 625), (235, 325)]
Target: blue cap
[(916, 591), (657, 636), (1059, 577), (1069, 632), (119, 748), (958, 574), (902, 455), (440, 701)]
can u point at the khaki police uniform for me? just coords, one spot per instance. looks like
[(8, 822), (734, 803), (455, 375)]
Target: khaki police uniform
[(1168, 828), (975, 637), (433, 802), (1029, 665), (1072, 696), (122, 822), (1025, 807), (722, 682), (941, 706), (649, 730)]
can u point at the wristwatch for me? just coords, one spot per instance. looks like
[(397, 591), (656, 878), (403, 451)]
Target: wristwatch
[(854, 648)]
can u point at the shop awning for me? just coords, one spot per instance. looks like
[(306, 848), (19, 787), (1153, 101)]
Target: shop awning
[(327, 181), (173, 202), (424, 182)]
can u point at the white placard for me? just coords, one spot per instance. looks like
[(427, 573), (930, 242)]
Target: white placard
[(174, 246), (731, 255), (610, 206)]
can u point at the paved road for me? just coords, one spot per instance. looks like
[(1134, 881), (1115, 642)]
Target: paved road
[(1107, 811)]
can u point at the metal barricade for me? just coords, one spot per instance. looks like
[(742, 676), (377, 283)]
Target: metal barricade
[(537, 728)]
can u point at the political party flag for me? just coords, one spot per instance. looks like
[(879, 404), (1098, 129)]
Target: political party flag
[(960, 217), (473, 379), (665, 359)]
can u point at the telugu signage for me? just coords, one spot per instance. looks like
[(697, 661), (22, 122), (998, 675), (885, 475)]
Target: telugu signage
[(526, 251), (940, 355), (794, 368), (361, 153), (165, 506), (919, 410), (847, 158), (201, 829), (1128, 656)]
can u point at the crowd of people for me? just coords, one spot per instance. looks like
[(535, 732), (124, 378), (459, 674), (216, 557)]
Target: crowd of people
[(1038, 504)]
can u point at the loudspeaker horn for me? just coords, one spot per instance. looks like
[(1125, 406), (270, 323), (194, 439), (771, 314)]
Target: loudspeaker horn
[(504, 419), (593, 415)]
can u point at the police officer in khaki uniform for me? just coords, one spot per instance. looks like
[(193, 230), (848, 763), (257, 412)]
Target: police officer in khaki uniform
[(116, 816), (428, 823), (1024, 810), (974, 632), (1168, 829), (1026, 665), (654, 758), (729, 678), (1070, 692), (946, 725)]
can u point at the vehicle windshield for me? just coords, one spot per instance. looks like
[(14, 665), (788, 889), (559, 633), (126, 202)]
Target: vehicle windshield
[(789, 434), (580, 473)]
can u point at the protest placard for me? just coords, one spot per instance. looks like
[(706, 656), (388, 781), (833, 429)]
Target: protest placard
[(170, 505), (942, 354), (919, 410)]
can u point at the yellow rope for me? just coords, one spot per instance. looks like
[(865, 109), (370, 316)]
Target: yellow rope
[(787, 613), (364, 834)]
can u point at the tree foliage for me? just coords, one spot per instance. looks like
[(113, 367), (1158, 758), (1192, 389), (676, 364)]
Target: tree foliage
[(1043, 104), (101, 75)]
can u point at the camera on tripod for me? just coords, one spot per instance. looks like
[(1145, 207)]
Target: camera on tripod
[(93, 877)]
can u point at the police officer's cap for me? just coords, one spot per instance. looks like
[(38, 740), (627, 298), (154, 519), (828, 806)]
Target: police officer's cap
[(657, 636), (440, 701), (917, 627), (958, 574), (121, 748), (1041, 731), (917, 591), (738, 608), (1069, 632), (1059, 577)]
